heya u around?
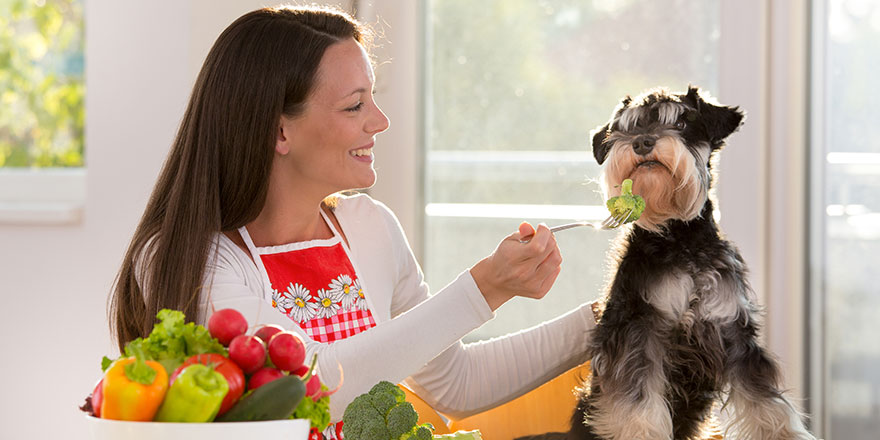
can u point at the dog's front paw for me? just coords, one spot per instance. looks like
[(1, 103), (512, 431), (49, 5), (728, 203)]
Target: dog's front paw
[(645, 420), (767, 419)]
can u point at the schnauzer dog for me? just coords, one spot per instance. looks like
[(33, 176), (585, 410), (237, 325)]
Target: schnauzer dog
[(680, 322)]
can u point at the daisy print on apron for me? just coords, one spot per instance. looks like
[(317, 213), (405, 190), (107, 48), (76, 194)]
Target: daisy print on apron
[(315, 285)]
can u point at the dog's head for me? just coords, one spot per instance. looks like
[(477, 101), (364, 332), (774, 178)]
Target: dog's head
[(663, 142)]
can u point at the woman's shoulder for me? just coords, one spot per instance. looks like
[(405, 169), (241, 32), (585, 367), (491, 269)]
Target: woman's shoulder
[(362, 213), (360, 205), (358, 201), (227, 254)]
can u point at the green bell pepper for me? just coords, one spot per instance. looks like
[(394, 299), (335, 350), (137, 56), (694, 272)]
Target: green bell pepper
[(194, 396)]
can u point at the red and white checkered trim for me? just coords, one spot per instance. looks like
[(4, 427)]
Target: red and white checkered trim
[(339, 326)]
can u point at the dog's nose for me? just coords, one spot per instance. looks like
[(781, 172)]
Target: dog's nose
[(643, 145)]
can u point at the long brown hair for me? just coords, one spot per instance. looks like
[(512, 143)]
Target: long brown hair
[(217, 173)]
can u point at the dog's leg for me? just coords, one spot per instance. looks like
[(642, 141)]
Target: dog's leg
[(579, 429), (631, 404), (760, 411)]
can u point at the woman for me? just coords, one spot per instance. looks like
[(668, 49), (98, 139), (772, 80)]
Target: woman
[(246, 215)]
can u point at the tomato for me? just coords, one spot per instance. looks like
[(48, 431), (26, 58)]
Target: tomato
[(233, 374)]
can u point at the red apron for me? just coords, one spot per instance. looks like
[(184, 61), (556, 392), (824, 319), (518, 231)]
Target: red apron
[(315, 284)]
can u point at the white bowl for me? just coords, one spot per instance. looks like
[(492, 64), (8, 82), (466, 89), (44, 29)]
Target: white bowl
[(102, 429)]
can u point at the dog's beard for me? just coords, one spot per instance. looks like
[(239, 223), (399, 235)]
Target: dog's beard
[(673, 182)]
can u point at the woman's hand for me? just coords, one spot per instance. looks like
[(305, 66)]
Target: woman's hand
[(519, 269)]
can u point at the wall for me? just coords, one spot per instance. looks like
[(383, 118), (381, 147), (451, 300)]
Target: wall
[(141, 61)]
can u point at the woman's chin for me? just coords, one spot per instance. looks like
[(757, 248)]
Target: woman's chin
[(364, 182)]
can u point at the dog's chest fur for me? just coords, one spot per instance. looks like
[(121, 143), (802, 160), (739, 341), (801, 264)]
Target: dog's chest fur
[(688, 274)]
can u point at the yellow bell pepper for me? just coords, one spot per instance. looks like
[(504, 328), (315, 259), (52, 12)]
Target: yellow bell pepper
[(133, 389)]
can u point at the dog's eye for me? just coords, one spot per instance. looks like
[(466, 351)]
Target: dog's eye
[(680, 125)]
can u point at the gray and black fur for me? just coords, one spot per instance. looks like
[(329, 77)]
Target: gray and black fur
[(679, 331)]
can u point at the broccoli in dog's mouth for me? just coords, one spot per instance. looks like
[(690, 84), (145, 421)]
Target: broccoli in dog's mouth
[(627, 201)]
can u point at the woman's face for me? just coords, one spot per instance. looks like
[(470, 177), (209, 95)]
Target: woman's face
[(329, 147)]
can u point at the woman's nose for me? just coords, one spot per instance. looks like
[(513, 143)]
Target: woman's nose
[(378, 122)]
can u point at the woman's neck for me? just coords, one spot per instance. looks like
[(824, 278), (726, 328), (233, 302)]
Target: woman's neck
[(289, 218)]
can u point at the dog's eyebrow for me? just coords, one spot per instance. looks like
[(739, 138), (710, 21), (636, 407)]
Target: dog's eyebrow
[(630, 117), (664, 113), (668, 112)]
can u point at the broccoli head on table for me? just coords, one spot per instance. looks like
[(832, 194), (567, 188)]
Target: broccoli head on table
[(383, 413)]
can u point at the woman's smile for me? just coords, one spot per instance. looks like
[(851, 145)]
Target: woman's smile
[(362, 154)]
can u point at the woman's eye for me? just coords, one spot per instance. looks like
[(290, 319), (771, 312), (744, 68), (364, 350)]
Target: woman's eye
[(680, 125), (355, 108)]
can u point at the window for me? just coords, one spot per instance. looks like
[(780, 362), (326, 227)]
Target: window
[(845, 232), (42, 114), (514, 89), (502, 112), (41, 75)]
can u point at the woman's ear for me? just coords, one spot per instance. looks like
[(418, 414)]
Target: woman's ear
[(282, 141)]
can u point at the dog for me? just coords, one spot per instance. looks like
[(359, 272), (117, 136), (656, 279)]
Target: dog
[(679, 329)]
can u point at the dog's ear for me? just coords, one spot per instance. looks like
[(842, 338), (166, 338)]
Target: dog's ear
[(600, 147), (719, 121)]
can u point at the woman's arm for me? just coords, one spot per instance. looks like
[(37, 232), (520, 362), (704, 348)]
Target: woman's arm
[(418, 328), (390, 351), (470, 378)]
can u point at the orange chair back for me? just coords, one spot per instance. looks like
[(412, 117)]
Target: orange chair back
[(544, 409), (547, 408)]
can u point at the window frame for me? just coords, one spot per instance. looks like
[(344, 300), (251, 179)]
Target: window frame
[(819, 374), (42, 196)]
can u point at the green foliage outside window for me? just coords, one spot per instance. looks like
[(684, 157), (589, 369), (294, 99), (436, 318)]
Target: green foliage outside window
[(42, 88)]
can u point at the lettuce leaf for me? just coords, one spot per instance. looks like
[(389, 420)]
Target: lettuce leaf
[(318, 412), (172, 341)]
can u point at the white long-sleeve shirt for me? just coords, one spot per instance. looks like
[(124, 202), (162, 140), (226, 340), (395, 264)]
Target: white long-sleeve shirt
[(417, 337)]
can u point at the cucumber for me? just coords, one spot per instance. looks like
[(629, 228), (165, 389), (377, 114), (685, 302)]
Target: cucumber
[(275, 400)]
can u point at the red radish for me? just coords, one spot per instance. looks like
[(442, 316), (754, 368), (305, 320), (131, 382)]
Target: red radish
[(287, 351), (267, 331), (313, 386), (301, 371), (98, 397), (226, 324), (263, 376), (248, 352)]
